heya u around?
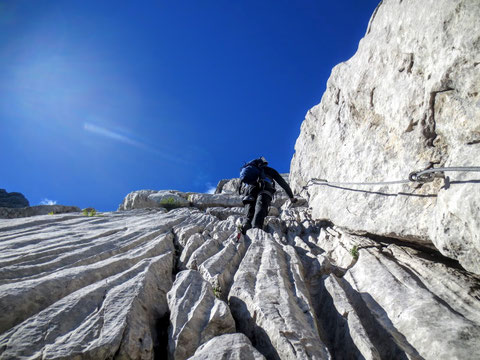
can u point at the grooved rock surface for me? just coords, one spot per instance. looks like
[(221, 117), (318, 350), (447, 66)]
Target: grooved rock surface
[(407, 100), (12, 200), (196, 315), (411, 303), (230, 346), (77, 287), (271, 303), (73, 286)]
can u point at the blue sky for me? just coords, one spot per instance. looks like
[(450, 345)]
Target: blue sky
[(100, 98)]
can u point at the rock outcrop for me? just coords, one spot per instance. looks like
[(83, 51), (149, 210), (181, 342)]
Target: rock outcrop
[(144, 199), (406, 101), (12, 200)]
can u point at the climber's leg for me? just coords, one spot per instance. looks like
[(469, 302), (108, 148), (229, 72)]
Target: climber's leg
[(261, 209), (250, 206)]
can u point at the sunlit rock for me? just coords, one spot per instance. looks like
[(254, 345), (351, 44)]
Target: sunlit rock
[(167, 199), (196, 315), (406, 101), (229, 346)]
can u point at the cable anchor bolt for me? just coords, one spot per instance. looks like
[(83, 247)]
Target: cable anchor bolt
[(417, 176)]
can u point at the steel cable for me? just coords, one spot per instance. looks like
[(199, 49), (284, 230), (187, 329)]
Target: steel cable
[(422, 176)]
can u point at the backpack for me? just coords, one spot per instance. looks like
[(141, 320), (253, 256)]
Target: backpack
[(252, 173)]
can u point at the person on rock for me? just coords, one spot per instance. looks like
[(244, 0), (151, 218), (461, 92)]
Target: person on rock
[(258, 184)]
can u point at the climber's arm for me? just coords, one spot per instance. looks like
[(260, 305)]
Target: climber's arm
[(279, 179)]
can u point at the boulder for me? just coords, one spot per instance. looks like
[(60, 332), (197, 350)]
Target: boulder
[(228, 186), (231, 186), (168, 199), (406, 101), (223, 213)]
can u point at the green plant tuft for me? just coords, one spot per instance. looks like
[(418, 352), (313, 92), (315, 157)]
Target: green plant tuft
[(90, 212), (51, 213), (217, 291), (169, 203), (354, 252)]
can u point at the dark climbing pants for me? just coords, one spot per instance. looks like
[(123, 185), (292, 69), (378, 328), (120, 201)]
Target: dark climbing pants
[(258, 210)]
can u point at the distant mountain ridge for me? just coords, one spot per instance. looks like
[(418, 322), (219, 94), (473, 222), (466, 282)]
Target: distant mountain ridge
[(12, 199)]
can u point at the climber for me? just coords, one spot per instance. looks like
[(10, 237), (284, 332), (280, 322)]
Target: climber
[(258, 190)]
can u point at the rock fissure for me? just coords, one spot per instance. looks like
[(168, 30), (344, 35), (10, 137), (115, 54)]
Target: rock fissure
[(430, 123), (426, 252)]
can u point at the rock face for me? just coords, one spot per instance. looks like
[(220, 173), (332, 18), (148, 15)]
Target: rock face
[(407, 100), (12, 200), (180, 284)]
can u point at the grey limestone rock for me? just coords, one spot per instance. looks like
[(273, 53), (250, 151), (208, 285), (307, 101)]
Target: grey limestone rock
[(229, 346), (223, 213), (75, 286), (215, 200), (196, 315), (220, 268), (169, 199), (228, 186), (271, 304), (411, 307), (406, 101)]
